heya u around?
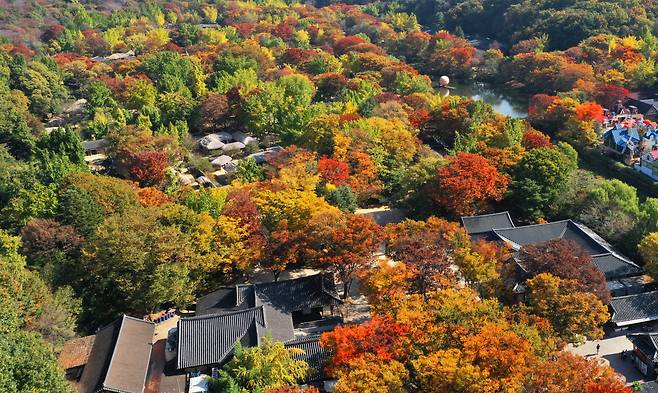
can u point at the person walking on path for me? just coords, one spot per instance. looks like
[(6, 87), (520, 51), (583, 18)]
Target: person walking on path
[(598, 348)]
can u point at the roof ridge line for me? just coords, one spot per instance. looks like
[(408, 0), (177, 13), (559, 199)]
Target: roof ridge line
[(139, 319), (564, 230), (314, 337), (533, 225), (635, 294), (216, 315), (109, 367), (617, 255), (488, 214)]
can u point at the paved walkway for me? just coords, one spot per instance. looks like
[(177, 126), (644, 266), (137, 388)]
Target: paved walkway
[(611, 348)]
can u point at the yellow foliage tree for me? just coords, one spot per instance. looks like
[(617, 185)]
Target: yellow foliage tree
[(368, 374), (575, 315), (649, 250), (210, 13)]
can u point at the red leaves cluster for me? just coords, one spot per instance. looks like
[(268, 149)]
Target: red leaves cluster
[(240, 205), (342, 244), (348, 117), (565, 259), (215, 111), (534, 140), (297, 56), (381, 337), (539, 104), (344, 44), (468, 183), (41, 238), (333, 171), (148, 167), (419, 118), (607, 95)]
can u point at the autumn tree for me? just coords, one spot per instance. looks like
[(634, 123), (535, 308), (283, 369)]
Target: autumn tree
[(482, 264), (574, 314), (214, 112), (534, 139), (503, 357), (152, 197), (148, 167), (648, 248), (385, 285), (567, 260), (241, 206), (283, 248), (52, 248), (381, 337), (371, 374), (270, 365), (426, 248), (571, 373), (342, 244), (333, 171), (468, 183)]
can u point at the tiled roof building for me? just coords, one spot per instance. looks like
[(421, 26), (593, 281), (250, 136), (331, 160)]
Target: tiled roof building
[(623, 276), (248, 313), (633, 309), (499, 227), (119, 359)]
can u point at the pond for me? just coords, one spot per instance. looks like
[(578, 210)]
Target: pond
[(504, 102)]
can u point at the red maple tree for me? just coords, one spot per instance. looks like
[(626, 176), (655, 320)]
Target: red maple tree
[(148, 167), (333, 171)]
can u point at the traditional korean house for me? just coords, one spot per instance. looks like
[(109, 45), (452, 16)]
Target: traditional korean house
[(624, 278), (645, 353), (291, 311), (119, 358), (75, 355)]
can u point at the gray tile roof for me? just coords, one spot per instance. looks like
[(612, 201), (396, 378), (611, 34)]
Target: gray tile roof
[(209, 339), (499, 226), (287, 295), (614, 266), (539, 233), (647, 343), (119, 359), (314, 355), (487, 222), (247, 313), (298, 294), (95, 144), (632, 309)]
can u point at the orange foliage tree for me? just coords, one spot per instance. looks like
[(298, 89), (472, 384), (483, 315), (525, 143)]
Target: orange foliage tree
[(467, 184), (150, 196), (575, 374), (342, 243), (589, 111), (380, 336)]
